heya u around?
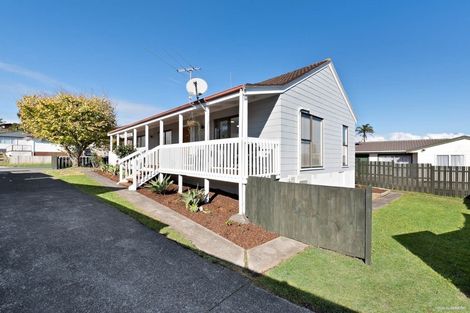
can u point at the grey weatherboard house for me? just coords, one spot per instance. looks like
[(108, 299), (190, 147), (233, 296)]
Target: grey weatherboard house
[(298, 126)]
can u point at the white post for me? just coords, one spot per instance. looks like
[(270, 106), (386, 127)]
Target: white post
[(117, 140), (111, 143), (207, 124), (207, 134), (243, 134), (161, 132), (241, 198), (134, 138), (160, 176), (147, 137), (180, 140), (125, 138)]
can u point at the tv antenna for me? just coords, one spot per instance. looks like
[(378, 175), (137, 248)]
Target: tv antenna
[(189, 70)]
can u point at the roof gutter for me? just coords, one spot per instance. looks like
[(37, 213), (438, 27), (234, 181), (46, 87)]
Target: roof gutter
[(212, 99)]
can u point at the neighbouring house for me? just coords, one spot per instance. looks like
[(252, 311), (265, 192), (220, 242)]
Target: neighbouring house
[(438, 152), (20, 147), (298, 126)]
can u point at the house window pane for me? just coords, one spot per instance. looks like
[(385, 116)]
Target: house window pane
[(316, 142), (167, 137), (305, 154), (457, 160), (140, 141), (443, 160), (345, 145), (310, 141), (305, 127), (234, 127), (226, 128)]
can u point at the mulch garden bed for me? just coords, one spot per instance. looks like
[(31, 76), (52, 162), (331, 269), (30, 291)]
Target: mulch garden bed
[(108, 175), (214, 217)]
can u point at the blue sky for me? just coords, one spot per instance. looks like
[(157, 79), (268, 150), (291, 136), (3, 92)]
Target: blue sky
[(404, 64)]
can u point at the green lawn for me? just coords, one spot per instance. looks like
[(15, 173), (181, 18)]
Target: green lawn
[(88, 185), (420, 263)]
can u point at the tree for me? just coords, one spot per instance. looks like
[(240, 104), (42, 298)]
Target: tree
[(365, 130), (73, 121)]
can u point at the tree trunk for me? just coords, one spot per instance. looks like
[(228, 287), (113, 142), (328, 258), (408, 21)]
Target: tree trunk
[(75, 157)]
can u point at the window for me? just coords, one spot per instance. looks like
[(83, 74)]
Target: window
[(397, 158), (345, 145), (167, 137), (226, 127), (450, 160), (442, 160), (457, 160), (6, 140), (140, 141), (310, 140)]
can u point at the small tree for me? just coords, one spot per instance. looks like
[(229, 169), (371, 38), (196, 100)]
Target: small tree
[(365, 130), (124, 150), (73, 121)]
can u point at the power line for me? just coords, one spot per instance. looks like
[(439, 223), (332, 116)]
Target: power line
[(162, 59)]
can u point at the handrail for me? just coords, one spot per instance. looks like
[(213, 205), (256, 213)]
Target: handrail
[(130, 156)]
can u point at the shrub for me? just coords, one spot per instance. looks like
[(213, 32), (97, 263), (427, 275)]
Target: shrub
[(109, 168), (160, 187), (193, 198), (96, 160), (124, 150)]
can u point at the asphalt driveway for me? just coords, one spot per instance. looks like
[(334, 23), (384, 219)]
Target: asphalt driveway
[(64, 251)]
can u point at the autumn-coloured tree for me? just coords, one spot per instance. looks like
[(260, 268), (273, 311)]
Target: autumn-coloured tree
[(73, 121)]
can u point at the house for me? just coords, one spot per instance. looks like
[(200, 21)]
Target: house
[(298, 126), (438, 152), (20, 147)]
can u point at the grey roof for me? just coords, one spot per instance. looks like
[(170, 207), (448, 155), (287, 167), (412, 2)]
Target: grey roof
[(14, 134), (403, 145)]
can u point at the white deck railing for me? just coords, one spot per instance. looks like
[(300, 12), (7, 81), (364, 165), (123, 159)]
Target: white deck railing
[(126, 165), (216, 159), (231, 160), (147, 168)]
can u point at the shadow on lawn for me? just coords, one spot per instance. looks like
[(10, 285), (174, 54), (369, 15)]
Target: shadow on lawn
[(447, 253), (280, 288)]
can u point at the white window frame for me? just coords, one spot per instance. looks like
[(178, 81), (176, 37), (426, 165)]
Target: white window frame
[(299, 142), (345, 161), (449, 157), (459, 155)]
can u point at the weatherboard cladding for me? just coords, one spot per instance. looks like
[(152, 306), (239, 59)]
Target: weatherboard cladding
[(321, 96), (280, 80)]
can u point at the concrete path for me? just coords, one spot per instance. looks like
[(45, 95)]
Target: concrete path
[(383, 201), (258, 259), (64, 251)]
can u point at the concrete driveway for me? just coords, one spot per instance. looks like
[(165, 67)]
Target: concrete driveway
[(64, 251)]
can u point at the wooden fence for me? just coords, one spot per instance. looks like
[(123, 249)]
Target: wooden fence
[(333, 218), (60, 162), (453, 181)]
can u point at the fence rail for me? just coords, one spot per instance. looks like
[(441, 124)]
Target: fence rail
[(453, 181), (333, 218)]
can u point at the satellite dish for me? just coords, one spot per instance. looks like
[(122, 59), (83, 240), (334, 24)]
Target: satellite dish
[(196, 87)]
